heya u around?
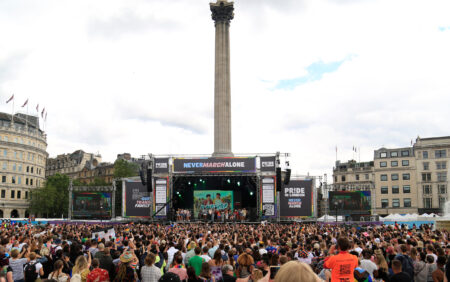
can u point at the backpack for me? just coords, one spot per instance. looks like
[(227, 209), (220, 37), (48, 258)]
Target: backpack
[(407, 264), (30, 272)]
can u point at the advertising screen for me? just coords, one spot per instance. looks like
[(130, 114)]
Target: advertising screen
[(349, 202), (212, 199), (214, 165), (91, 205), (296, 199), (137, 200)]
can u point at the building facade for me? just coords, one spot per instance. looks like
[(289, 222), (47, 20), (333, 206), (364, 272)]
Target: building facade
[(72, 164), (23, 157), (353, 176), (395, 181), (103, 172), (432, 159)]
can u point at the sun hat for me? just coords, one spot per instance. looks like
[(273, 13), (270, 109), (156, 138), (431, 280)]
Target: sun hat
[(127, 256)]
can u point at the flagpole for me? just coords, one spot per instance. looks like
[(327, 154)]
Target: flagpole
[(26, 118), (12, 112)]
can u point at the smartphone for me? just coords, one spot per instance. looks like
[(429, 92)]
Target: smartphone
[(273, 271)]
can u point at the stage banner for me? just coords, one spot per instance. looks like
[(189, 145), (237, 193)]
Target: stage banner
[(205, 200), (349, 202), (137, 201), (267, 164), (161, 165), (160, 196), (268, 196), (214, 165), (91, 205), (296, 199)]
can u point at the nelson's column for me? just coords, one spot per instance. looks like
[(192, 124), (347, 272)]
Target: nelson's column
[(222, 14)]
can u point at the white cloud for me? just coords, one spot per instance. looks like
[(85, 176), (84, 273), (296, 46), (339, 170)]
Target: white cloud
[(137, 76)]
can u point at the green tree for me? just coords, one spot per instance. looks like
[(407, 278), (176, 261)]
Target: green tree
[(122, 168), (52, 200)]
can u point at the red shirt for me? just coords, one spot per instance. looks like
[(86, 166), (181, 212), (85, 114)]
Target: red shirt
[(98, 275), (342, 266)]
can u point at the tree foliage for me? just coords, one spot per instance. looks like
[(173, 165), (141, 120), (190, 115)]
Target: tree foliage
[(122, 168), (52, 200)]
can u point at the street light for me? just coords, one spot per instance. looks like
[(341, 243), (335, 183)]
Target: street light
[(336, 204)]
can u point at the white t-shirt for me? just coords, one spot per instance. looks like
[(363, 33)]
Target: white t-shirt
[(368, 266), (206, 257)]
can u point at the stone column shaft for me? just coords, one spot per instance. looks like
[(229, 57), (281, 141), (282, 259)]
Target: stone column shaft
[(222, 14)]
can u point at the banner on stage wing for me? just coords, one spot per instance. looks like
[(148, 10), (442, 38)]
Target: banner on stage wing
[(160, 196), (137, 201), (214, 165), (206, 200), (296, 199), (161, 165), (267, 164)]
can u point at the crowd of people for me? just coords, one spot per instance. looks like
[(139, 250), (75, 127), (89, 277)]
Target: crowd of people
[(227, 215), (222, 252)]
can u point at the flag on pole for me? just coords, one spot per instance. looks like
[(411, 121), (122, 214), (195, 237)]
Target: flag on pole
[(24, 104), (37, 108), (9, 100), (42, 113)]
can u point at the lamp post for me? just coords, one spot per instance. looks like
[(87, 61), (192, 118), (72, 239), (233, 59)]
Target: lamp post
[(336, 208)]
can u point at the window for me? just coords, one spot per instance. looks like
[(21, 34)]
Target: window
[(405, 153), (395, 190), (26, 194), (395, 203), (384, 203), (3, 179), (383, 177), (31, 169), (5, 152), (19, 180), (442, 201), (31, 182), (394, 176), (14, 167), (13, 180), (426, 189), (394, 154), (425, 154), (5, 165), (441, 165), (357, 177), (15, 154), (440, 154), (20, 167), (405, 163), (335, 179), (19, 194), (442, 189), (426, 166), (426, 177), (15, 140), (26, 181), (406, 189), (366, 176), (342, 178), (406, 176), (394, 163), (383, 155), (384, 190), (21, 155), (28, 169), (383, 164), (407, 202), (3, 194), (6, 138), (441, 176), (13, 194)]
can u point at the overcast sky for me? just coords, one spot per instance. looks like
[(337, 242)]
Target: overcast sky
[(306, 76)]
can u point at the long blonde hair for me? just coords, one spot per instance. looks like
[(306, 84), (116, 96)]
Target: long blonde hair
[(80, 265), (295, 271), (380, 260)]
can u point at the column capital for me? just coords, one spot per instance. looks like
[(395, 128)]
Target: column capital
[(222, 11)]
